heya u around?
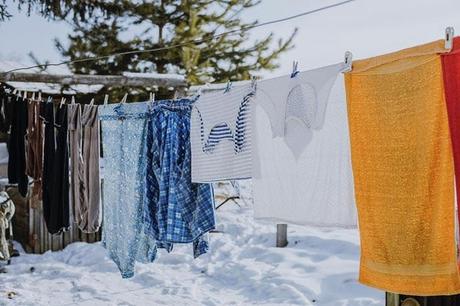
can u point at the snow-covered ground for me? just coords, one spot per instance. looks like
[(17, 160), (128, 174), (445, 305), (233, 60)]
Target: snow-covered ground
[(318, 267)]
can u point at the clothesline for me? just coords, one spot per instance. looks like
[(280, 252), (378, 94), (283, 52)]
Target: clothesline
[(190, 42)]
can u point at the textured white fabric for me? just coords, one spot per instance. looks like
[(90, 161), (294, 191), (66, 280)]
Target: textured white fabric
[(220, 135), (302, 152)]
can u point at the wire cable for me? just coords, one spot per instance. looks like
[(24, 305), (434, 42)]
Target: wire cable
[(186, 43)]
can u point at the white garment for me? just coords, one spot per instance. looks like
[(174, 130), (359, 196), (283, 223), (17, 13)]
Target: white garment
[(302, 151), (220, 135)]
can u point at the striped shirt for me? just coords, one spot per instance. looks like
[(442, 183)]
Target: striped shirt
[(221, 135)]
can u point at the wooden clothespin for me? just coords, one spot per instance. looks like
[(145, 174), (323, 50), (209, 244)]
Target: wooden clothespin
[(295, 71), (91, 103), (73, 100), (228, 87), (62, 102), (33, 96), (125, 97), (449, 43), (348, 61), (106, 99), (24, 96)]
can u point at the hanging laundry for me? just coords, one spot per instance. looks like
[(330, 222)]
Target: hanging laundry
[(34, 152), (124, 128), (6, 115), (55, 181), (302, 157), (16, 146), (76, 177), (403, 172), (84, 155), (175, 209), (451, 70), (221, 135)]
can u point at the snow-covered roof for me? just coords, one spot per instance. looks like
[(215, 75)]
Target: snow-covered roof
[(155, 75), (214, 87), (47, 88), (55, 89)]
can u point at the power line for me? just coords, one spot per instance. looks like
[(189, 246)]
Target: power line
[(190, 42)]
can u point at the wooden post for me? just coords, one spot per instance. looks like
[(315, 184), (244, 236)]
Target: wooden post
[(281, 235)]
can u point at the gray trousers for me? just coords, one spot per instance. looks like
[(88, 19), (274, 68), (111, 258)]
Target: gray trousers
[(84, 144)]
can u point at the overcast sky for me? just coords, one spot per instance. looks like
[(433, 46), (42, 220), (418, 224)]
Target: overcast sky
[(365, 27)]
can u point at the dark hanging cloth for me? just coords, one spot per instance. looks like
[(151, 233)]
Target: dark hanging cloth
[(16, 146), (5, 111), (55, 169)]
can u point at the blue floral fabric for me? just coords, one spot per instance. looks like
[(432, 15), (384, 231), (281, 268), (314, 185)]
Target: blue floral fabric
[(123, 136), (175, 209)]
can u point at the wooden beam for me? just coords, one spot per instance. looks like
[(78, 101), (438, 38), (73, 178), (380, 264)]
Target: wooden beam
[(106, 80)]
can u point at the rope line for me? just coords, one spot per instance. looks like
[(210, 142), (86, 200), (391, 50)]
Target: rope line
[(190, 42)]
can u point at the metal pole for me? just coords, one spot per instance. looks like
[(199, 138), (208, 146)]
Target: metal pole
[(281, 235)]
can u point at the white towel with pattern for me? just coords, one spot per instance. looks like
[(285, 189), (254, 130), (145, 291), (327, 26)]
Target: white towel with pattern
[(302, 158)]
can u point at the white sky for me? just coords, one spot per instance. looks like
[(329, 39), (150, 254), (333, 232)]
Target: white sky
[(365, 27)]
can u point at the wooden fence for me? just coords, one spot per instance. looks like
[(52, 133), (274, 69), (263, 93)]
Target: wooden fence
[(30, 229)]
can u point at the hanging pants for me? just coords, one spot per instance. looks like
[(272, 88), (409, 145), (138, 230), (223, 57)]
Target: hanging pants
[(16, 147), (34, 148), (123, 134), (84, 156), (55, 181)]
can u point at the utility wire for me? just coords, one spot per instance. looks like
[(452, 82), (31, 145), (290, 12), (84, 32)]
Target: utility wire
[(190, 42)]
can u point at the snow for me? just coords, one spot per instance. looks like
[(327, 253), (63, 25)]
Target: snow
[(47, 88), (155, 75), (318, 267)]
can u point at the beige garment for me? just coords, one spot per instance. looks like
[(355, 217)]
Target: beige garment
[(84, 167)]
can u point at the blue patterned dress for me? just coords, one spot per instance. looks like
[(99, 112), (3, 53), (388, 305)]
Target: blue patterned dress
[(123, 135)]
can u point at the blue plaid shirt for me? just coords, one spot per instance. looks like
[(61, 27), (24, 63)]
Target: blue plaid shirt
[(175, 209)]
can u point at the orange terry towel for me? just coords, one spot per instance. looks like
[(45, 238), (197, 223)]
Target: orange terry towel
[(403, 172)]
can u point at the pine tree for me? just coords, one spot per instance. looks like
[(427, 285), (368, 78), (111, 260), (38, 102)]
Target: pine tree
[(150, 24), (75, 9)]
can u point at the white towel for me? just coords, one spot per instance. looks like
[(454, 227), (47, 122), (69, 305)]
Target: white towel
[(301, 150), (220, 134)]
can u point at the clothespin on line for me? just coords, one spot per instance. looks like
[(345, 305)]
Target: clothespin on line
[(152, 97), (73, 100), (106, 99), (200, 89), (40, 96), (228, 87), (33, 96), (125, 97), (62, 102), (295, 71), (348, 61), (449, 43), (254, 83), (91, 103)]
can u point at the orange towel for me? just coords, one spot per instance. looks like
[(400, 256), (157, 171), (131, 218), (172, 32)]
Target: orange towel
[(403, 172)]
